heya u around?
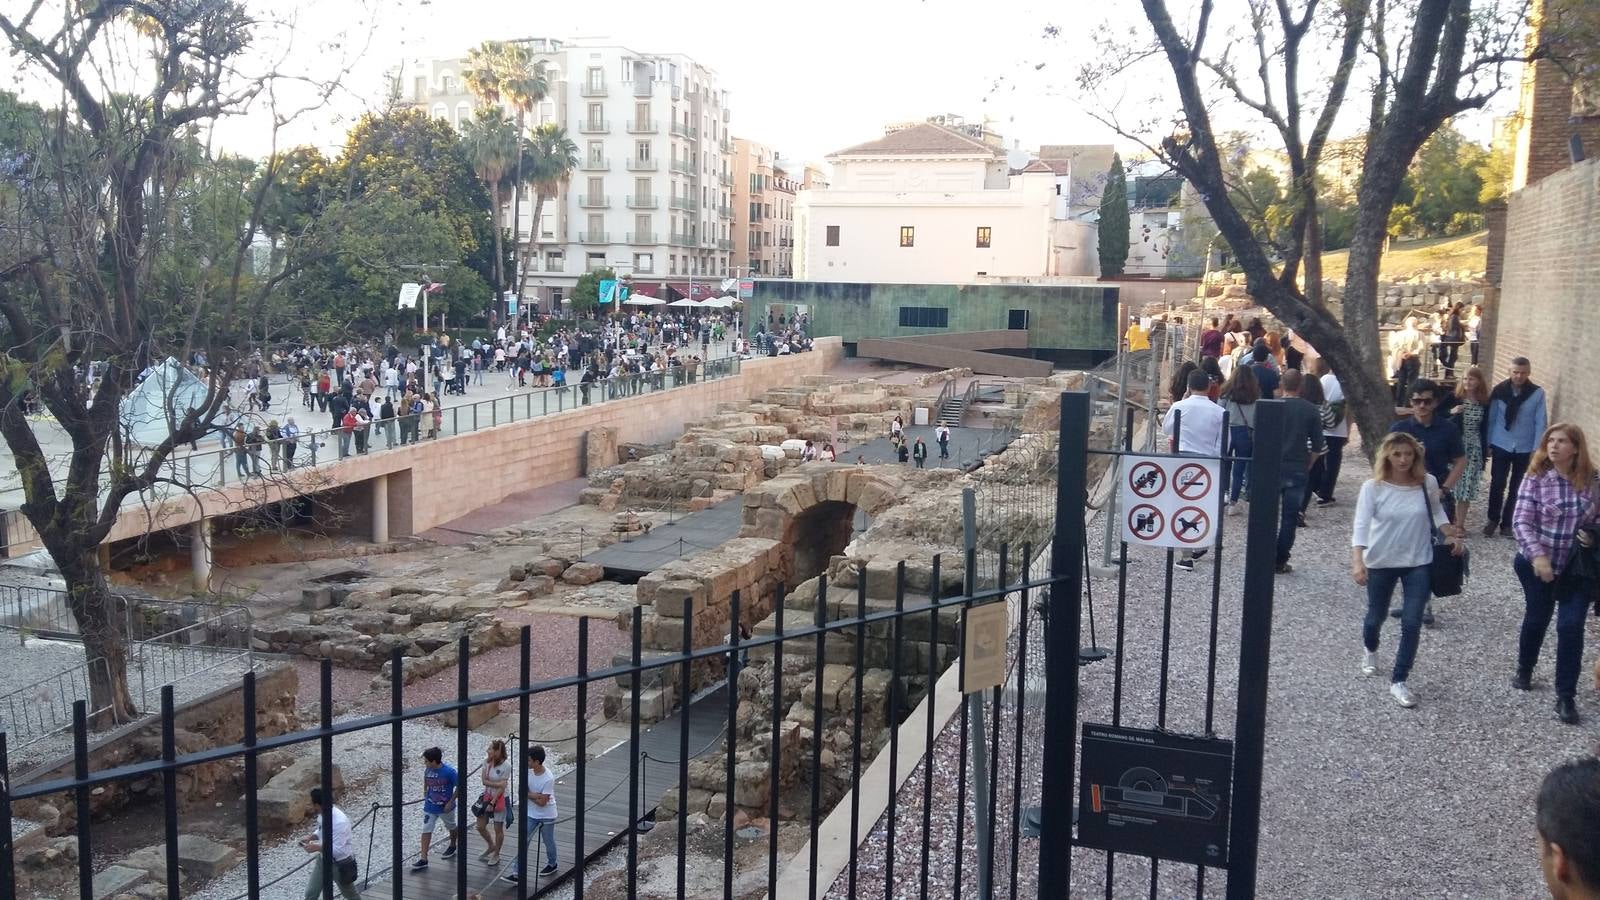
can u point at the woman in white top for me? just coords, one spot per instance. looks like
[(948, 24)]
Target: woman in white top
[(1392, 543), (492, 802)]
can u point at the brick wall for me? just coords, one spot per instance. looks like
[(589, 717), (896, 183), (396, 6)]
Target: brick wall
[(1549, 292), (1546, 110)]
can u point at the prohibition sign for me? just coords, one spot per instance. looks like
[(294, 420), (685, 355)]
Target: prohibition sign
[(1192, 481), (1147, 480), (1145, 522), (1191, 525)]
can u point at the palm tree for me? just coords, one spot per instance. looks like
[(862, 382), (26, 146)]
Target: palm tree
[(492, 143), (501, 71), (552, 156)]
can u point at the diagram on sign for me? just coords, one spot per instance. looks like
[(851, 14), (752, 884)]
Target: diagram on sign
[(1142, 790), (1170, 501)]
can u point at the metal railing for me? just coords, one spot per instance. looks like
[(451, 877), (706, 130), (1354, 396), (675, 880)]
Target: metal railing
[(593, 126), (192, 650), (643, 127), (587, 89), (594, 237), (642, 237), (596, 164), (594, 201), (913, 640), (642, 165), (643, 201), (32, 713), (687, 204)]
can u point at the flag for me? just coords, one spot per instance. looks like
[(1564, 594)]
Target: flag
[(434, 287)]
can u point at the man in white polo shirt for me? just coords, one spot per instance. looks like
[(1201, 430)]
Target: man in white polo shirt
[(1193, 427), (344, 857)]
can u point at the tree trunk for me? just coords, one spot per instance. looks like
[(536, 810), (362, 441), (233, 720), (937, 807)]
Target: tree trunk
[(516, 211), (533, 229), (499, 253), (102, 621)]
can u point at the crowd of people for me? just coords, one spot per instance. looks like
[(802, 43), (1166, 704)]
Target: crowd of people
[(1543, 491)]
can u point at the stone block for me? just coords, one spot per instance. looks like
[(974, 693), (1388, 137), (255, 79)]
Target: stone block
[(204, 857), (476, 715), (539, 585), (581, 573), (115, 880), (671, 597), (286, 799), (316, 598), (599, 448), (547, 565)]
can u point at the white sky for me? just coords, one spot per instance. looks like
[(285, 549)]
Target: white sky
[(805, 78)]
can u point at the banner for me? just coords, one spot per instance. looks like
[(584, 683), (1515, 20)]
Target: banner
[(408, 295), (608, 290), (511, 304)]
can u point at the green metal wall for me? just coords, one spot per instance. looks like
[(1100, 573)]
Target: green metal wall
[(1081, 318)]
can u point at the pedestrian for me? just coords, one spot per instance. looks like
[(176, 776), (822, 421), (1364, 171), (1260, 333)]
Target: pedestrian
[(1567, 819), (440, 787), (897, 427), (386, 416), (1193, 427), (1302, 444), (1211, 341), (344, 855), (274, 444), (1516, 420), (1267, 377), (291, 442), (1336, 436), (1406, 348), (942, 435), (829, 454), (541, 790), (241, 454), (1558, 501), (902, 452), (253, 441), (491, 805), (919, 452), (1392, 543), (347, 432), (1443, 450), (1452, 334), (1471, 419), (1239, 398), (1311, 392)]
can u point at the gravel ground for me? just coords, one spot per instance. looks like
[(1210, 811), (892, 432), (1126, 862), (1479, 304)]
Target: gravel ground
[(1362, 798)]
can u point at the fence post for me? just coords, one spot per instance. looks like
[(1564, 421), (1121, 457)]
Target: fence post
[(1255, 642), (7, 861), (1063, 627)]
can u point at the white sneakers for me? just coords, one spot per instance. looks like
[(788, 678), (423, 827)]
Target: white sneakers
[(1402, 694), (1369, 662)]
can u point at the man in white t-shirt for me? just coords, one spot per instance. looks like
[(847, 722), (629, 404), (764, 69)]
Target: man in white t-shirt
[(1336, 437), (1196, 422), (344, 876), (541, 789)]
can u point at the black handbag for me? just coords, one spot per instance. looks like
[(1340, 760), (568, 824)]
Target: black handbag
[(345, 870), (1447, 572)]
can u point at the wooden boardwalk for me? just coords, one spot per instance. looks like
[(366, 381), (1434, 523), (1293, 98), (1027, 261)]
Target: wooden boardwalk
[(605, 812)]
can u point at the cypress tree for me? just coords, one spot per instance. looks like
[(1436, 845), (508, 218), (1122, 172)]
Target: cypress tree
[(1114, 220)]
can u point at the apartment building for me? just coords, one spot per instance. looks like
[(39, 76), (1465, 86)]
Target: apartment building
[(651, 196)]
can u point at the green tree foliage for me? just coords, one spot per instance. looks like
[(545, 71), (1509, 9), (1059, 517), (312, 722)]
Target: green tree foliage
[(586, 293), (1114, 220), (1447, 181), (491, 143)]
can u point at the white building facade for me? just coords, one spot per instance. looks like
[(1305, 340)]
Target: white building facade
[(651, 196), (924, 204)]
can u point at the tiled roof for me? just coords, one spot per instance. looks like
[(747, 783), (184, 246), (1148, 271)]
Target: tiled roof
[(1040, 165), (922, 139)]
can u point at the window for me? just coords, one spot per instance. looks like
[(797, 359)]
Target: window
[(597, 186), (641, 116), (597, 115), (644, 262), (553, 261), (908, 236), (833, 236), (672, 264), (596, 261), (447, 84), (641, 189), (924, 317), (596, 78), (641, 151), (641, 226), (983, 235), (597, 226), (555, 297), (597, 152), (1017, 320)]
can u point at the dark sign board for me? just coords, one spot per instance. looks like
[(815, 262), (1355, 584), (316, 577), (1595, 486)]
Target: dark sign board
[(1154, 793)]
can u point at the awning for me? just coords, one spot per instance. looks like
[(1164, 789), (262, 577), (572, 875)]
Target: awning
[(696, 290)]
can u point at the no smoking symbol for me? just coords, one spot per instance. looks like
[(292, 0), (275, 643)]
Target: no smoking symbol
[(1147, 479), (1192, 481), (1145, 521), (1191, 525)]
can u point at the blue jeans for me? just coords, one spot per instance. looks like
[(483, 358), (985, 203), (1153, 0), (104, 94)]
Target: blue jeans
[(547, 828), (1414, 588), (1241, 443), (1568, 604), (1292, 490)]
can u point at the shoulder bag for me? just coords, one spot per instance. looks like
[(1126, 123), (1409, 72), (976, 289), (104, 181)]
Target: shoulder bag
[(1447, 572)]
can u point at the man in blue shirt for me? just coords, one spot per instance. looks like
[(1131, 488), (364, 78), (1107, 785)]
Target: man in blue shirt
[(439, 788), (1265, 374), (1444, 455), (1516, 421)]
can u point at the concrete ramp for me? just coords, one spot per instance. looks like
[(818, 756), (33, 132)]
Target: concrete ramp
[(968, 349)]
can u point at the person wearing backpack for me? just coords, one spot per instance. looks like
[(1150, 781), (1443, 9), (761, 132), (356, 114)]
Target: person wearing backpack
[(1336, 435)]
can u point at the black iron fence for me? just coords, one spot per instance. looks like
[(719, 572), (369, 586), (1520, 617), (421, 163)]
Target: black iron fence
[(911, 640)]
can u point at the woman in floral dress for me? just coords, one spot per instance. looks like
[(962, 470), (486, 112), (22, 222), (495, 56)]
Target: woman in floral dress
[(1469, 418)]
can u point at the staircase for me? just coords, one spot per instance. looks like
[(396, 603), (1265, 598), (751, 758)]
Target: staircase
[(952, 407)]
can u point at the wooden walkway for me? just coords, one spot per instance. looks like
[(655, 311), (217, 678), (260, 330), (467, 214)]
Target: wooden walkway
[(605, 812)]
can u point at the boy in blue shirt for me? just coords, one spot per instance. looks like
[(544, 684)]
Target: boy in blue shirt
[(439, 787)]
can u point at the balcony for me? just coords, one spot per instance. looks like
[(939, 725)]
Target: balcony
[(685, 131), (594, 126), (724, 245), (679, 239), (600, 164), (646, 238), (687, 204), (647, 201), (643, 89), (727, 146), (642, 165), (725, 180), (724, 116), (594, 201), (643, 127), (589, 89), (682, 167), (594, 237), (725, 212)]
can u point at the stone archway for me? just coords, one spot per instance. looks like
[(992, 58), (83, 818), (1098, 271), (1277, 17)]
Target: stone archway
[(810, 512)]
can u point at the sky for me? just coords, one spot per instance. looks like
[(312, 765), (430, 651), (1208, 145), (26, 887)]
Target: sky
[(805, 79)]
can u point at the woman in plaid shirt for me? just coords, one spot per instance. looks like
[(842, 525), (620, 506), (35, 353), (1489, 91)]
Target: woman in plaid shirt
[(1559, 495)]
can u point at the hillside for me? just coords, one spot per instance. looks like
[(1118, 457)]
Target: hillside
[(1468, 253)]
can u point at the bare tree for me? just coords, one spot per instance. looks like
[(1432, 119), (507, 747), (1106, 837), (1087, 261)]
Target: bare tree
[(98, 283), (1429, 60)]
